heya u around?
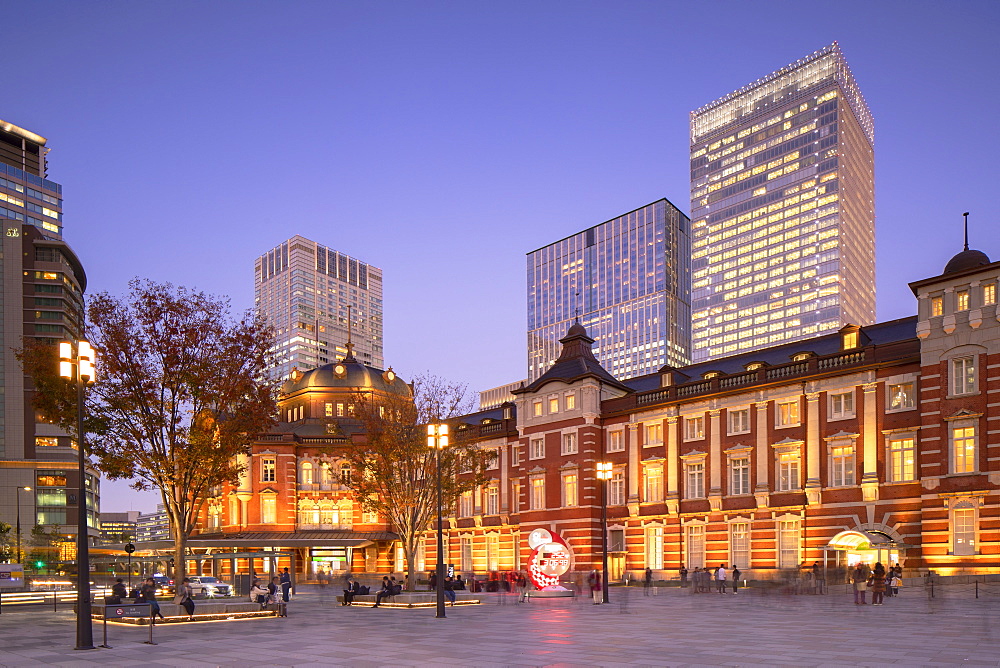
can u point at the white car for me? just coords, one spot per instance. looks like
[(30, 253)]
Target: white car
[(210, 587)]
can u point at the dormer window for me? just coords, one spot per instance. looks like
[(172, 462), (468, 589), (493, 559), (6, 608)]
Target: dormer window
[(712, 374), (849, 341), (754, 366), (801, 357)]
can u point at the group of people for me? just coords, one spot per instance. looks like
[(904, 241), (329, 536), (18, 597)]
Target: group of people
[(146, 593), (879, 580), (277, 592), (702, 579)]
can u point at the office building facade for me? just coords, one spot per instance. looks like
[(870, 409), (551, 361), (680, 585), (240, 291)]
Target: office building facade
[(627, 280), (315, 297), (782, 209), (42, 290), (153, 526)]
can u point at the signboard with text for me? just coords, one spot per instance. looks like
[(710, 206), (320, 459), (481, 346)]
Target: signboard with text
[(11, 576)]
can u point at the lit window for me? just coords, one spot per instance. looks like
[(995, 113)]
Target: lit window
[(739, 475), (492, 500), (963, 448), (841, 405), (788, 471), (307, 473), (465, 552), (990, 293), (537, 409), (340, 410), (653, 483), (739, 420), (515, 496), (963, 375), (328, 409), (537, 493), (616, 491), (569, 490), (788, 413), (902, 456), (536, 450), (345, 474), (268, 471), (695, 472), (937, 306), (694, 427), (842, 465), (268, 510), (654, 547), (492, 552), (901, 396), (569, 446), (616, 441), (46, 441), (850, 340), (465, 508), (554, 405), (654, 433), (962, 300), (571, 401)]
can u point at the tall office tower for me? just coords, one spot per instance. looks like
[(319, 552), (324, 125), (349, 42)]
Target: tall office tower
[(628, 280), (782, 209), (41, 286), (309, 293)]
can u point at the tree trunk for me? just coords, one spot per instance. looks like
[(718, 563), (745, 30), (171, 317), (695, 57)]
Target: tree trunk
[(180, 545)]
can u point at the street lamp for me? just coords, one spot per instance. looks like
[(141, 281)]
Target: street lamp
[(19, 490), (437, 438), (604, 472), (77, 363)]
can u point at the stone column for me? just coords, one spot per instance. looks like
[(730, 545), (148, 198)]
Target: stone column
[(813, 482), (715, 453), (634, 467), (763, 428), (673, 488), (869, 481)]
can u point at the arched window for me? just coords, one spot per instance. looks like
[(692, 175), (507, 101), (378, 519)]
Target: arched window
[(325, 473), (345, 474), (307, 473)]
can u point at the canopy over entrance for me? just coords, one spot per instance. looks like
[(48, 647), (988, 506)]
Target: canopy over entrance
[(865, 546)]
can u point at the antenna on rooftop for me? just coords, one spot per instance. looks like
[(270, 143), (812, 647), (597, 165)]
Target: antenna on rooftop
[(966, 215)]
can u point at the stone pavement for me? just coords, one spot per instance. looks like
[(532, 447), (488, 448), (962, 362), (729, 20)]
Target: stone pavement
[(672, 628)]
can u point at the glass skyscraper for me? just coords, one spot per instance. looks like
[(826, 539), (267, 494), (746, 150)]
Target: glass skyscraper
[(628, 280), (782, 209), (308, 293)]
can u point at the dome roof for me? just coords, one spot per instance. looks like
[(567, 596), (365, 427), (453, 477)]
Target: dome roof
[(577, 330), (967, 259), (347, 375)]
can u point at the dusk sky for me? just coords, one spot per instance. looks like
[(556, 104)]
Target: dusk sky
[(441, 141)]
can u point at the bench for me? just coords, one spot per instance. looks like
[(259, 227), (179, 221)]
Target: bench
[(420, 599), (202, 611)]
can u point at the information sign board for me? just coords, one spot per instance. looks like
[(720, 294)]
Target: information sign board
[(11, 576), (126, 610)]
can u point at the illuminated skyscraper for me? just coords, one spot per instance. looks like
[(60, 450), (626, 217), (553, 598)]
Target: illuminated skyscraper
[(628, 280), (782, 209), (308, 293)]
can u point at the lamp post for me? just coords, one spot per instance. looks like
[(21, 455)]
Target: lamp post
[(77, 363), (19, 553), (604, 472), (437, 438)]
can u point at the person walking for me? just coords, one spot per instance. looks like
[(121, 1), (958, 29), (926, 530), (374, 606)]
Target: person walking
[(647, 581), (185, 598), (858, 584), (877, 581), (286, 585), (897, 579), (147, 594), (522, 587), (594, 580), (720, 579), (736, 578), (684, 576)]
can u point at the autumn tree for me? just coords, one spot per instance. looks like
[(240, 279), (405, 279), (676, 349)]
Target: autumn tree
[(181, 390), (8, 550), (395, 471)]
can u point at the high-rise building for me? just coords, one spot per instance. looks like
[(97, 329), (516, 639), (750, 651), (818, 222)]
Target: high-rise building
[(119, 527), (153, 526), (42, 298), (316, 298), (782, 209), (627, 280)]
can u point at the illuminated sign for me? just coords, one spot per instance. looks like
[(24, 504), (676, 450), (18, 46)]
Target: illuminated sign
[(551, 557), (11, 576)]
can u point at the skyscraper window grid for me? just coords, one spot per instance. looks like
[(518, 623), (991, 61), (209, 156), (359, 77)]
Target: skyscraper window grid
[(308, 292), (628, 282), (782, 202)]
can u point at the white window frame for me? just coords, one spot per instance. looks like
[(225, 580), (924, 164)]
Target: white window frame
[(963, 375), (842, 455), (269, 469), (739, 543), (738, 490), (466, 504), (989, 294), (466, 552), (787, 453), (962, 299), (694, 478), (959, 462), (787, 418), (569, 443), (537, 406), (536, 447), (895, 389), (652, 493), (616, 440), (840, 405), (569, 401), (515, 496), (268, 509), (963, 543), (515, 454), (694, 427), (536, 492), (743, 427), (491, 500), (695, 548), (788, 542), (553, 404), (653, 433), (616, 489), (493, 552), (570, 489), (898, 473), (653, 544)]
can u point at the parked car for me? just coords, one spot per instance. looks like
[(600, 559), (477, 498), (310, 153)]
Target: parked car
[(164, 585), (210, 587)]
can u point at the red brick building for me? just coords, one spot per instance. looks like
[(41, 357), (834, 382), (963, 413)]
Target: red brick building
[(874, 443)]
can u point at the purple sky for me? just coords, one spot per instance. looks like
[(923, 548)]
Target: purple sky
[(442, 141)]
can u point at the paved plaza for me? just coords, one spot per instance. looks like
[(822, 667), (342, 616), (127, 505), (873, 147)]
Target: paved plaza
[(672, 628)]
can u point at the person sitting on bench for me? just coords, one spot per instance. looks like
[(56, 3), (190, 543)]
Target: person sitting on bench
[(351, 591), (389, 588)]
